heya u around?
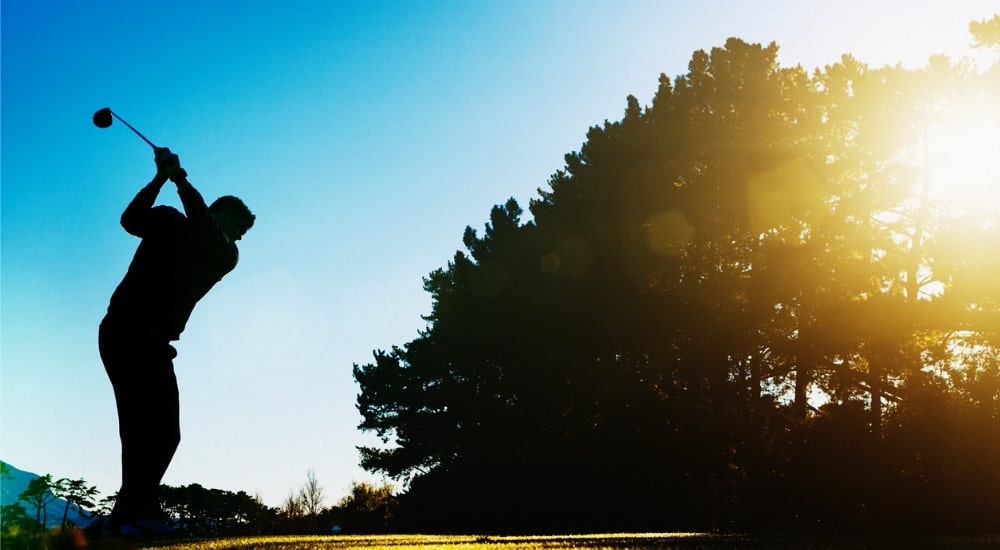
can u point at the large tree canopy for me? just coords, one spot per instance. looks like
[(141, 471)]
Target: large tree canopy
[(769, 299)]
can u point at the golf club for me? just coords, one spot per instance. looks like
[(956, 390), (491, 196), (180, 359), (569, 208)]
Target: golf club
[(102, 119)]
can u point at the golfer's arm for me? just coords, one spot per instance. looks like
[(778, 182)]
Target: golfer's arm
[(136, 216), (194, 206)]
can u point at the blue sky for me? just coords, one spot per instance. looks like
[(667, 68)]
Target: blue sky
[(365, 136)]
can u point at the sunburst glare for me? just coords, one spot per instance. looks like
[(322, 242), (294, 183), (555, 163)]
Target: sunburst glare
[(961, 154)]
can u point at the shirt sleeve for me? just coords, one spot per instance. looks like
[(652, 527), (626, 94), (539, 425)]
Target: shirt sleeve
[(195, 209), (222, 252), (137, 218)]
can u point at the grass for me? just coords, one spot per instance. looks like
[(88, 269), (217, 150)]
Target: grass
[(632, 541), (449, 542), (75, 539)]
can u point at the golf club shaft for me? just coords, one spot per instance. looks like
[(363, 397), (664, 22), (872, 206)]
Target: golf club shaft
[(133, 129)]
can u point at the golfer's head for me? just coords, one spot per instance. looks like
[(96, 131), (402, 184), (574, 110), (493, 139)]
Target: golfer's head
[(232, 216)]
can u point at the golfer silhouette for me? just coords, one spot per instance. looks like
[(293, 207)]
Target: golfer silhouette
[(180, 257)]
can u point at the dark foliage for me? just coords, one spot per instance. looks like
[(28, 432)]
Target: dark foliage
[(202, 512), (738, 308), (366, 510)]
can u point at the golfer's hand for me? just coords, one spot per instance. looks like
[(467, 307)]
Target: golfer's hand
[(168, 165)]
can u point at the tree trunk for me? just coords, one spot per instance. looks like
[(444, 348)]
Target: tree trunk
[(875, 373), (803, 377)]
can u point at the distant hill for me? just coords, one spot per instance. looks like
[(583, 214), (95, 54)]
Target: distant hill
[(9, 489)]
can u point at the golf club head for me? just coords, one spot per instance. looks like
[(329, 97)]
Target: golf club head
[(102, 118)]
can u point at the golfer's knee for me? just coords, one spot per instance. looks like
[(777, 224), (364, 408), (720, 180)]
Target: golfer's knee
[(172, 439)]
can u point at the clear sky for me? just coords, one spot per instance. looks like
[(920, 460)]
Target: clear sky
[(365, 136)]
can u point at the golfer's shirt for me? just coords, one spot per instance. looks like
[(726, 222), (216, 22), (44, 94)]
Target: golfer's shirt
[(178, 261)]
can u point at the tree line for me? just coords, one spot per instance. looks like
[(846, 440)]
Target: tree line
[(30, 511), (747, 305), (199, 511)]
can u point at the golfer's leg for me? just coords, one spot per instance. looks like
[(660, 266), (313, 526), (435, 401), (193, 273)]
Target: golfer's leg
[(134, 453), (163, 435), (118, 357)]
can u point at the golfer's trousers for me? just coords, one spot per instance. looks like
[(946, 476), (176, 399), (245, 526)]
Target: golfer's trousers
[(140, 366)]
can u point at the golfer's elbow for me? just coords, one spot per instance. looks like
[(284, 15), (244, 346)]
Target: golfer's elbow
[(132, 224)]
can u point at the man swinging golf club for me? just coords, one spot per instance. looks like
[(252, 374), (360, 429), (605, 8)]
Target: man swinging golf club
[(180, 257)]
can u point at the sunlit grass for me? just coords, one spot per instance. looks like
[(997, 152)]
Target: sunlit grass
[(426, 542), (623, 541)]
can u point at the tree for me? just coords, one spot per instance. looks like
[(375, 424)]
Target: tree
[(77, 493), (986, 32), (17, 530), (105, 505), (311, 495), (39, 495), (367, 509), (302, 510), (730, 297), (203, 511), (291, 514)]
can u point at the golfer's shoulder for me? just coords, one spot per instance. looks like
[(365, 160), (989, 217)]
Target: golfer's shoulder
[(166, 211), (232, 255), (225, 252), (164, 219), (225, 260)]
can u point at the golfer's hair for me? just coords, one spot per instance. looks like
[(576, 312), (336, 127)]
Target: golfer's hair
[(235, 205)]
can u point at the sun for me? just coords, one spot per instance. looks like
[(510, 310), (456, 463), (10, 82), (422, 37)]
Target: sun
[(962, 156)]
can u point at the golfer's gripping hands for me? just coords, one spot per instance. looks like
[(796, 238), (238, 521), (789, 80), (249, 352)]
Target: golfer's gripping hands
[(168, 165)]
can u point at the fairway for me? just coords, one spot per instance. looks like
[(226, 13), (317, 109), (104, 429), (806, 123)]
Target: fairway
[(455, 542), (635, 541)]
